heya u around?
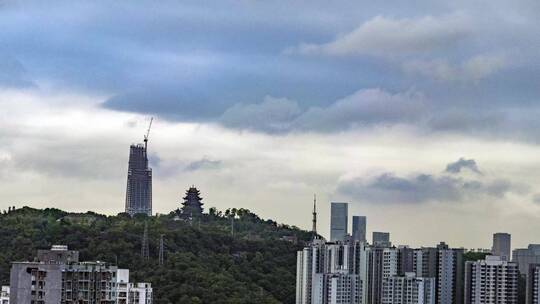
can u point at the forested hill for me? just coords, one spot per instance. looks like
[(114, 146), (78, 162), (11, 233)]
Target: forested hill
[(204, 263)]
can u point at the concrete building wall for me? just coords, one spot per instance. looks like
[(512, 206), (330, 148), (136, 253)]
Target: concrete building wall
[(30, 282)]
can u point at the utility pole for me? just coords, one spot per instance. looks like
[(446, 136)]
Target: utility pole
[(161, 250), (232, 226), (145, 249)]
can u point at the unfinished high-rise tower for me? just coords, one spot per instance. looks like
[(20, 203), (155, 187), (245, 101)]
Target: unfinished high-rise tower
[(139, 179)]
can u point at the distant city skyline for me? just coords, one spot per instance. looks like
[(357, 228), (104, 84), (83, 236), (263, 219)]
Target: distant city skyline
[(420, 115)]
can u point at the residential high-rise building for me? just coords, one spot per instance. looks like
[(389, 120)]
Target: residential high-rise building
[(408, 289), (381, 239), (304, 273), (526, 256), (359, 228), (65, 280), (352, 262), (328, 273), (139, 181), (492, 281), (406, 260), (501, 245), (425, 261), (339, 215), (533, 284), (380, 263), (449, 275), (336, 288)]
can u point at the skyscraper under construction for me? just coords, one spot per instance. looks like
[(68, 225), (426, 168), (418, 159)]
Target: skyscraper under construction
[(139, 180)]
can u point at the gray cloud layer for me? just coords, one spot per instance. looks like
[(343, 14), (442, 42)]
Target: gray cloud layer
[(204, 163), (184, 62), (382, 36), (463, 163), (363, 108), (388, 188)]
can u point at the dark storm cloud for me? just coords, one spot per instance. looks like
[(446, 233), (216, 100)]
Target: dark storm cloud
[(272, 115), (390, 188), (362, 108), (215, 61), (421, 188), (204, 163), (71, 159), (365, 107), (184, 104), (463, 163)]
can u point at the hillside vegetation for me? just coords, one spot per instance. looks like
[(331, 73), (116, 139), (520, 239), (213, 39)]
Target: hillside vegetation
[(204, 263)]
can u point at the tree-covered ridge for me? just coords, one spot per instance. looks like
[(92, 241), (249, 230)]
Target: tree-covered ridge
[(204, 262)]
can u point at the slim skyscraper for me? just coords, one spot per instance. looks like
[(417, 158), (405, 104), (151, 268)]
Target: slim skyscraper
[(139, 180), (501, 245), (359, 228), (339, 221)]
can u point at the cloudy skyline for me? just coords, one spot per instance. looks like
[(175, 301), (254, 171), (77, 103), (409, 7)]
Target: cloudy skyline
[(422, 114)]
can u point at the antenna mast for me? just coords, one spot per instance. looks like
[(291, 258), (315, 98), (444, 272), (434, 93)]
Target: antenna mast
[(314, 228)]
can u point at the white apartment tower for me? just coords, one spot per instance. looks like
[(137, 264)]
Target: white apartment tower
[(408, 289), (328, 273), (304, 275), (449, 275), (533, 284), (491, 281)]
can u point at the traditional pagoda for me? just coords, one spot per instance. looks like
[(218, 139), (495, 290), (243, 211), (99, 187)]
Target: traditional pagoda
[(192, 205)]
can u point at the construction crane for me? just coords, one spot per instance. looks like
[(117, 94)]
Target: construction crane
[(148, 133)]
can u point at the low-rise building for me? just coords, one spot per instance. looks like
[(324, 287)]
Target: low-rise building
[(57, 276), (4, 295)]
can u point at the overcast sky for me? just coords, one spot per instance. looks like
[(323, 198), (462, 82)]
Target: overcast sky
[(424, 115)]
